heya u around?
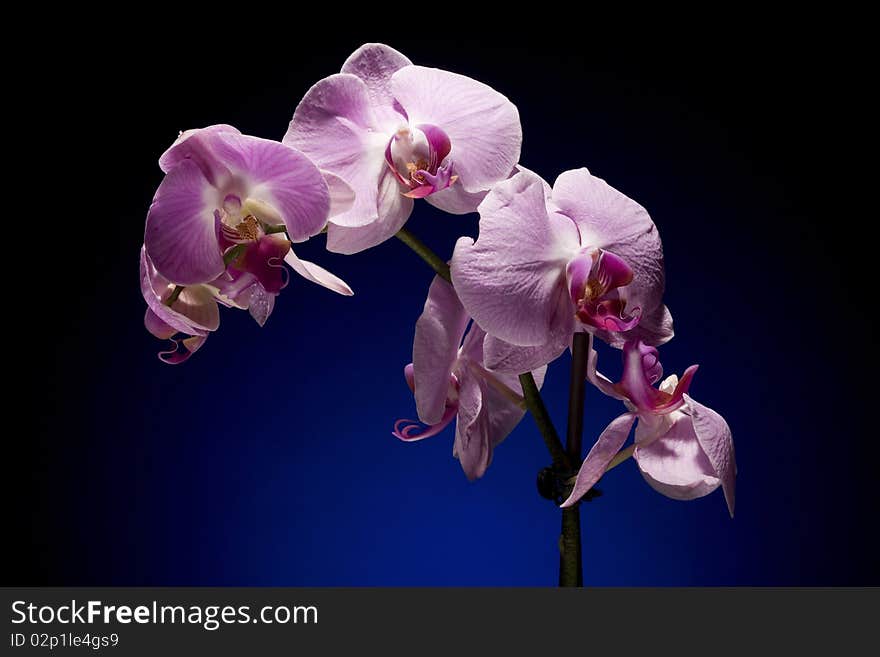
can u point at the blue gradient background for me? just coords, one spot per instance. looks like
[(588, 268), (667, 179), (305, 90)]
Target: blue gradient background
[(268, 460)]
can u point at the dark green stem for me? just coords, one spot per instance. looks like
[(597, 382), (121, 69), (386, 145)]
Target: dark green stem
[(570, 561), (536, 407), (425, 253)]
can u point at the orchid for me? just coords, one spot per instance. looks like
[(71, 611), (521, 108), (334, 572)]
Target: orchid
[(214, 229), (551, 262), (683, 449), (450, 382), (552, 268), (397, 132)]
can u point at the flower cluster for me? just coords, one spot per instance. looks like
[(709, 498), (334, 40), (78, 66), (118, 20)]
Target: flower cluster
[(363, 146)]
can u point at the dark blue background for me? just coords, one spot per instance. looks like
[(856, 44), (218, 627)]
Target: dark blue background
[(267, 459)]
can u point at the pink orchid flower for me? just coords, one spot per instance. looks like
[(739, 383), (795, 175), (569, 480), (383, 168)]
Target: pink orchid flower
[(450, 382), (225, 191), (684, 450), (549, 262), (398, 132)]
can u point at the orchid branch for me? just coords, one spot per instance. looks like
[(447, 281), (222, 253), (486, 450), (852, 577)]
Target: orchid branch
[(570, 562), (425, 253), (539, 412)]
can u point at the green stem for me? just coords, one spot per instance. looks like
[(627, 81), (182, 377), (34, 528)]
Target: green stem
[(535, 404), (570, 561), (425, 253)]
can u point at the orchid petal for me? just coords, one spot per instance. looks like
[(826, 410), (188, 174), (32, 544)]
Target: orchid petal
[(180, 234), (505, 357), (195, 145), (342, 195), (280, 176), (334, 125), (611, 221), (456, 200), (675, 464), (606, 447), (472, 447), (511, 279), (482, 124), (194, 312), (375, 63), (716, 440), (438, 335), (316, 274), (393, 209)]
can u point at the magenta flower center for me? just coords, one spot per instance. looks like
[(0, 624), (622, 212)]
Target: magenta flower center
[(419, 158), (597, 280)]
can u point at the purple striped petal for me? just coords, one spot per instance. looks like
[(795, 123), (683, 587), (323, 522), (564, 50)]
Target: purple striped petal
[(280, 176), (181, 234), (195, 145)]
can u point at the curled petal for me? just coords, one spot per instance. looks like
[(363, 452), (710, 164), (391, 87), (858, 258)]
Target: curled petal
[(412, 430), (607, 445), (181, 350), (640, 366)]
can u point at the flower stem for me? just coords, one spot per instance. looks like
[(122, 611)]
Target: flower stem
[(425, 253), (539, 412), (570, 563)]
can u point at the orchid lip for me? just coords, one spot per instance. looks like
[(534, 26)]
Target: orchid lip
[(411, 430), (418, 158), (597, 280)]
